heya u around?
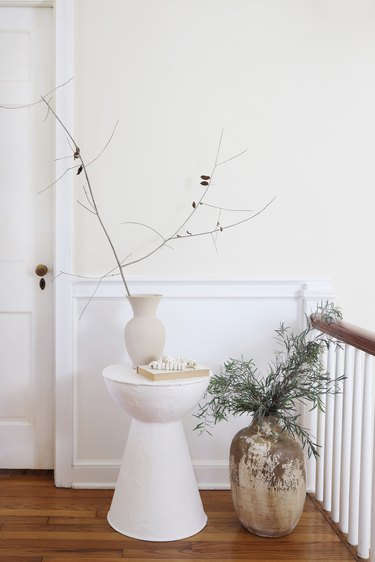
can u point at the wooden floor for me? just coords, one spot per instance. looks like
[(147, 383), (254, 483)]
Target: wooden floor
[(41, 523)]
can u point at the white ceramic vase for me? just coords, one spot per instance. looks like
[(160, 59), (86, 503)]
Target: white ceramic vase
[(144, 333)]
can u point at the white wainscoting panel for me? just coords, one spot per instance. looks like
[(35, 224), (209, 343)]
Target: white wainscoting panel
[(209, 320)]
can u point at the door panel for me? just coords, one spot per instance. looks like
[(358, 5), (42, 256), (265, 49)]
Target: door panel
[(26, 321)]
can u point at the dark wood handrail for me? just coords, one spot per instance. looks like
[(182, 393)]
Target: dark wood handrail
[(347, 333)]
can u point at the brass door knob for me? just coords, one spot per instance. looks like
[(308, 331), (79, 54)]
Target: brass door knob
[(41, 270)]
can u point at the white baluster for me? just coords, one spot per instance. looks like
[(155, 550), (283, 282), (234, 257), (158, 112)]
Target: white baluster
[(346, 438), (310, 422), (337, 434), (365, 492), (320, 432), (355, 461), (328, 438)]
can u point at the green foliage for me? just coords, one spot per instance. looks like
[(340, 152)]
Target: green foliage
[(297, 375)]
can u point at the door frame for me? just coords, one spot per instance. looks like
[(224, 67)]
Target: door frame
[(63, 64), (63, 247)]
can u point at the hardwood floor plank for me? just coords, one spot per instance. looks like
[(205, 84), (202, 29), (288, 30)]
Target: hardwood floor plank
[(251, 556), (37, 512), (64, 536), (112, 536), (63, 502), (215, 531), (34, 519), (88, 523), (252, 559), (18, 558), (75, 525), (13, 490), (39, 523), (41, 553), (77, 558), (191, 550)]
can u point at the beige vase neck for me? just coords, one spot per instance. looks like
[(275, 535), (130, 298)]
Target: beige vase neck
[(145, 304)]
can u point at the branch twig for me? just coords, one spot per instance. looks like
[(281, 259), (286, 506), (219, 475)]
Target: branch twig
[(77, 155), (92, 207), (176, 236)]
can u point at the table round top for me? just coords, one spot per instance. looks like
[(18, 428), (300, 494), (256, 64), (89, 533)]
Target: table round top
[(128, 375)]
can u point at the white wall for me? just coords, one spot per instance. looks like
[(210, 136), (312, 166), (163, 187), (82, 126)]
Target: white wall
[(292, 81)]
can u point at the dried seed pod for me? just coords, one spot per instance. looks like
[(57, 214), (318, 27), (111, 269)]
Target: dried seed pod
[(204, 183), (79, 170), (205, 177)]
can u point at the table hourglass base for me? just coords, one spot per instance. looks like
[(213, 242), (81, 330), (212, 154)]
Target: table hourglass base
[(156, 496)]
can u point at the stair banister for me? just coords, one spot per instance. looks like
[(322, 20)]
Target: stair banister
[(345, 474)]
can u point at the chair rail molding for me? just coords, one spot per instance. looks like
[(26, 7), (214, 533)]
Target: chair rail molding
[(28, 3), (207, 319)]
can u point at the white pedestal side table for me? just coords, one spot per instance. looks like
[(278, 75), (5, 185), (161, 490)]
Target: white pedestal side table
[(156, 496)]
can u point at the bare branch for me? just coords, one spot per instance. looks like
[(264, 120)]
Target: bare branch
[(105, 146), (146, 226), (87, 209), (91, 297), (95, 278), (37, 102), (218, 224), (64, 158), (226, 209), (59, 120), (58, 179), (93, 208), (218, 151), (47, 112), (221, 228), (87, 197), (231, 158), (207, 184), (99, 154), (58, 87), (14, 106), (77, 275), (77, 155), (214, 242)]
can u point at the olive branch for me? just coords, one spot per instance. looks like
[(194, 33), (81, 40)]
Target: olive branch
[(297, 375)]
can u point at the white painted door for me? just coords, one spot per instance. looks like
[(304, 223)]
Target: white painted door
[(26, 166)]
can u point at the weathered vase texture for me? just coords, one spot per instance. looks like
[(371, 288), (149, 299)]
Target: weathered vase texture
[(144, 333), (268, 479)]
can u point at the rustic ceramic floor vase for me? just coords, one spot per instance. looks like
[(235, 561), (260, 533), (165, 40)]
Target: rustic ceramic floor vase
[(268, 479)]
